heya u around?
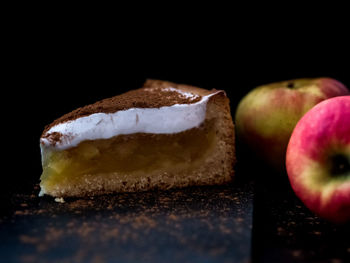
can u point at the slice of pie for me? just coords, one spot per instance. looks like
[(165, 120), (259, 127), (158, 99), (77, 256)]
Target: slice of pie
[(161, 136)]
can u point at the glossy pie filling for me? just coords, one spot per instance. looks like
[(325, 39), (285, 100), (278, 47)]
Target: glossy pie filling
[(131, 155)]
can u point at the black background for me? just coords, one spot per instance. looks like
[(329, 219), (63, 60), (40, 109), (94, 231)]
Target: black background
[(53, 67), (56, 59), (53, 70)]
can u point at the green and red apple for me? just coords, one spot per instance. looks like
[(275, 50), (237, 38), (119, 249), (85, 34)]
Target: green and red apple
[(266, 116), (318, 159)]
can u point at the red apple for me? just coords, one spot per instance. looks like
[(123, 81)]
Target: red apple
[(266, 117), (318, 159)]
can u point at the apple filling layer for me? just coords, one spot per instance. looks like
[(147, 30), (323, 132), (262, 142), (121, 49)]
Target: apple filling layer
[(127, 156)]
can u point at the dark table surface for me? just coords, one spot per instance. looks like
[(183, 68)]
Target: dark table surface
[(284, 230), (251, 221), (198, 224)]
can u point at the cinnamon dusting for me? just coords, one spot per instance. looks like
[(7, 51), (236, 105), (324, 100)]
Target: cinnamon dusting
[(154, 94)]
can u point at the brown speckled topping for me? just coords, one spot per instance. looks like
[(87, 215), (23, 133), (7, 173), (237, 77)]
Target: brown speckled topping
[(154, 94)]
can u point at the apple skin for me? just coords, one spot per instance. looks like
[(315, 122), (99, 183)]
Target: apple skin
[(266, 116), (318, 159)]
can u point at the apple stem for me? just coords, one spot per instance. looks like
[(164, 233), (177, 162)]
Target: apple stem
[(290, 85), (340, 165)]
